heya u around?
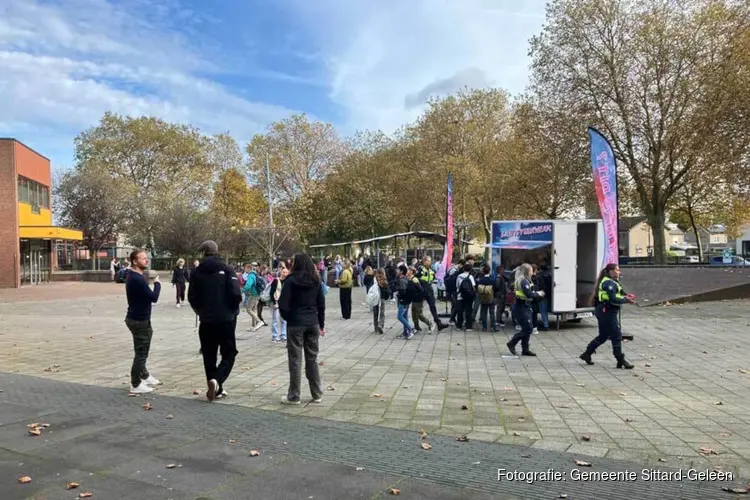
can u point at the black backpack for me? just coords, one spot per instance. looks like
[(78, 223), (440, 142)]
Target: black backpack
[(450, 282), (467, 290), (415, 292)]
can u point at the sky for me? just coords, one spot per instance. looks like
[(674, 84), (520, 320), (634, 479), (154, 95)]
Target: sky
[(236, 66)]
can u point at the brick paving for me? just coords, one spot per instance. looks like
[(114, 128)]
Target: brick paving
[(689, 390)]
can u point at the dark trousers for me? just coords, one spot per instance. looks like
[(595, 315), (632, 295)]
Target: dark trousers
[(261, 304), (475, 307), (430, 299), (142, 333), (464, 316), (180, 289), (299, 339), (522, 313), (483, 311), (218, 337), (454, 308), (609, 329), (345, 297), (417, 315), (500, 308)]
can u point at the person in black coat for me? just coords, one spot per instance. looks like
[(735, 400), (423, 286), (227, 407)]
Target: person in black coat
[(302, 305), (179, 279), (215, 297)]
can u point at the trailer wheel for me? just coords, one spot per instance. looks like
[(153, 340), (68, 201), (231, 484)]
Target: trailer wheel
[(576, 320)]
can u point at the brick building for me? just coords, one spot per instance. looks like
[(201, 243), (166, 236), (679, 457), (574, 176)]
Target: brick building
[(28, 240)]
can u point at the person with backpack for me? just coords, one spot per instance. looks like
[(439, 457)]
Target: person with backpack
[(402, 287), (369, 278), (254, 286), (450, 288), (416, 297), (486, 289), (377, 297), (465, 293)]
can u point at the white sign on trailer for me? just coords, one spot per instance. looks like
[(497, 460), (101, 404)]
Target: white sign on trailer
[(565, 263)]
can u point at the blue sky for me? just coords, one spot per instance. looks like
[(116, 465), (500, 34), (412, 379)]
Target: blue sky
[(237, 65)]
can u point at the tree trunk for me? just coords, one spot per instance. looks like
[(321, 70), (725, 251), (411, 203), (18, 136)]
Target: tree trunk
[(656, 221), (696, 233)]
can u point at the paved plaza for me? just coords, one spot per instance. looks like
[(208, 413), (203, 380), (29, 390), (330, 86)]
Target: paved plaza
[(686, 404)]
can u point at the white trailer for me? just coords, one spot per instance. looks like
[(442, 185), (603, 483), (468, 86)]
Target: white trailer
[(573, 251)]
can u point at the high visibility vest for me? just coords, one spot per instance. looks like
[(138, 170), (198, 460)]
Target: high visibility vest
[(428, 276), (604, 296), (520, 293)]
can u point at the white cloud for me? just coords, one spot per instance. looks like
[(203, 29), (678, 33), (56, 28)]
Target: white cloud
[(382, 57), (64, 66)]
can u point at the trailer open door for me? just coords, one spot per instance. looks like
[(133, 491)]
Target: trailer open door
[(564, 262)]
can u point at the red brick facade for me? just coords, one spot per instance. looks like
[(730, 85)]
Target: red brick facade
[(9, 241)]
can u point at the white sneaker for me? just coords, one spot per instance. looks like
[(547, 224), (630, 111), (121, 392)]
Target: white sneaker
[(222, 394), (433, 328), (257, 327), (151, 380), (535, 331), (178, 305), (141, 389), (286, 401)]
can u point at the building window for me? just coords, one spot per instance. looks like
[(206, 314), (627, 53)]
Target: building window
[(33, 193)]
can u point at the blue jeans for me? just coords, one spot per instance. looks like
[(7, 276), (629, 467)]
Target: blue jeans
[(338, 272), (278, 325), (403, 317), (544, 311)]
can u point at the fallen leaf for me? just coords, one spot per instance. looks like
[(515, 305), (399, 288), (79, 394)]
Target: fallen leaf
[(719, 403), (739, 491), (254, 453), (516, 434), (503, 399), (742, 370), (274, 382), (48, 369), (132, 395), (147, 406), (330, 388), (725, 434), (518, 404), (35, 431), (464, 407), (171, 466), (648, 365), (662, 460), (581, 385), (232, 441), (72, 486), (85, 494), (169, 417), (196, 392), (45, 425), (376, 395), (508, 389), (475, 463), (394, 491), (444, 379), (623, 394), (24, 479), (585, 438), (462, 439), (629, 420), (91, 338), (563, 495), (521, 419), (422, 434), (565, 407), (321, 363), (426, 446), (526, 456), (581, 463), (359, 468), (707, 451)]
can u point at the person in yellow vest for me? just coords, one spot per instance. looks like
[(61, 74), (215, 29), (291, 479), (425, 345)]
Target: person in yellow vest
[(345, 283), (526, 294), (608, 298), (426, 276)]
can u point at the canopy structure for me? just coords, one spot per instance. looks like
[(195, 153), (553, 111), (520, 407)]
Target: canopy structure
[(440, 238), (519, 245)]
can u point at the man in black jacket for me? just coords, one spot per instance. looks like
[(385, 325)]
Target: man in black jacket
[(215, 296)]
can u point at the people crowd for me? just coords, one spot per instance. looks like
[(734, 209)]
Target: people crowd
[(294, 293)]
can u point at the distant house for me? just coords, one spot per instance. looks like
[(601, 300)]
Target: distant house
[(713, 238), (637, 238)]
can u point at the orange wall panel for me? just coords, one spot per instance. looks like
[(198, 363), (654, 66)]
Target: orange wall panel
[(32, 165)]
